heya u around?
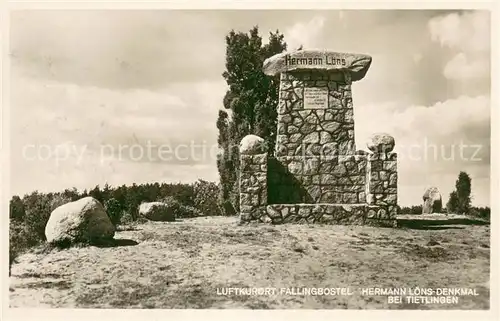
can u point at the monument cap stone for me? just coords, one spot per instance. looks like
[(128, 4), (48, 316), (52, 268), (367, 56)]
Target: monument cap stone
[(252, 145), (316, 59), (381, 143)]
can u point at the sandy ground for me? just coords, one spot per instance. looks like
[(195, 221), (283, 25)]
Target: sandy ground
[(185, 264)]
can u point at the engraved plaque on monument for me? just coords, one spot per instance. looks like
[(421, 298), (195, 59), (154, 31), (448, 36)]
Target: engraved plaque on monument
[(315, 97)]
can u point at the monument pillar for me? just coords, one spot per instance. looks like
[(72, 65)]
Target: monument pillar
[(315, 110)]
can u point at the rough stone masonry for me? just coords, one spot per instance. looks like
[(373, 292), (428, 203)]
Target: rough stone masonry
[(315, 173)]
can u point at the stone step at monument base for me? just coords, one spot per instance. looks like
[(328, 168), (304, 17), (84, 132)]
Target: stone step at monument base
[(326, 213), (426, 220)]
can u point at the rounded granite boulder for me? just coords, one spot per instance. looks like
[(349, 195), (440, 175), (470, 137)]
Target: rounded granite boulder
[(158, 211), (84, 220), (252, 145), (381, 143)]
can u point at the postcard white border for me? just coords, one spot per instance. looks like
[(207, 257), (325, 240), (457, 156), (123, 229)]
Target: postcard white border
[(241, 315)]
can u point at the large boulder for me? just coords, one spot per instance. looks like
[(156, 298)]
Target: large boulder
[(84, 220), (158, 211), (432, 201), (380, 143)]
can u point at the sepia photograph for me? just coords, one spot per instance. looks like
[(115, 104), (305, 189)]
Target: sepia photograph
[(249, 159)]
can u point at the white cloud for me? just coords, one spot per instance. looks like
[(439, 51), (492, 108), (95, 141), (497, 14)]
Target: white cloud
[(85, 111), (116, 49), (445, 29), (85, 169), (468, 32), (73, 122), (412, 124), (468, 36), (459, 67), (305, 34)]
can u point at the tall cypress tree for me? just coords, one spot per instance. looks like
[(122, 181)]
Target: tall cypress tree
[(460, 199), (251, 101), (452, 205), (463, 188)]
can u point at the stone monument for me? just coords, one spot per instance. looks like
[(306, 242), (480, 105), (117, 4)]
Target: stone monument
[(316, 174), (432, 201)]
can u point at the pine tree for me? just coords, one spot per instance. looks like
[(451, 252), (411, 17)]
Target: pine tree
[(114, 210), (251, 100), (97, 194)]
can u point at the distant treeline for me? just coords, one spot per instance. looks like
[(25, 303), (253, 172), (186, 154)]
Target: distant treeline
[(202, 195), (479, 212)]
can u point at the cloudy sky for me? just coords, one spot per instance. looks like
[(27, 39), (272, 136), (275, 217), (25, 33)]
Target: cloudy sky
[(86, 83)]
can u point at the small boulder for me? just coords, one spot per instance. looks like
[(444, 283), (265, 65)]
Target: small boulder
[(381, 143), (252, 145), (84, 220), (157, 211), (432, 201)]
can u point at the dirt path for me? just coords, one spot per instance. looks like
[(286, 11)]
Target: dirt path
[(185, 265)]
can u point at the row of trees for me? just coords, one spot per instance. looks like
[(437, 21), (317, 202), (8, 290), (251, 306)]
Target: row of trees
[(201, 195)]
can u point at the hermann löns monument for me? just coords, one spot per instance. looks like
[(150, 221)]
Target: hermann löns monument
[(316, 174)]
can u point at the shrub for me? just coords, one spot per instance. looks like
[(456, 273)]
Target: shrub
[(227, 208), (186, 211), (480, 212), (16, 210), (206, 198), (415, 209), (30, 230), (173, 204), (179, 210), (58, 200), (114, 210), (126, 219), (38, 208), (19, 240)]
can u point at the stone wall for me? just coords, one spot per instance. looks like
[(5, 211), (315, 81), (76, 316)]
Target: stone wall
[(253, 186), (319, 131), (352, 189), (382, 187), (354, 214), (314, 179)]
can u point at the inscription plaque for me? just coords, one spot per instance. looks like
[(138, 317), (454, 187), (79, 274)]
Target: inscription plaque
[(315, 97)]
